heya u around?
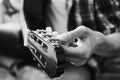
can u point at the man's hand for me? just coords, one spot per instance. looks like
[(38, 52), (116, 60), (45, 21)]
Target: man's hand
[(87, 41)]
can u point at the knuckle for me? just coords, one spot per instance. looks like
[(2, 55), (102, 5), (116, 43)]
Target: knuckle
[(83, 28)]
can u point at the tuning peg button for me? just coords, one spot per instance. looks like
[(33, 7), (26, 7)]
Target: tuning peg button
[(38, 65), (34, 59)]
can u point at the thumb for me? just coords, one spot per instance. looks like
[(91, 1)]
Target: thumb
[(72, 35)]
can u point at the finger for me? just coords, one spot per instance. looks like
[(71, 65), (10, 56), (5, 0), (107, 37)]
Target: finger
[(77, 61), (71, 35), (67, 37), (76, 52), (55, 34)]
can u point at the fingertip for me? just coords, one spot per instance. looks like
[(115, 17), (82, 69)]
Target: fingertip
[(55, 33), (63, 37), (82, 29)]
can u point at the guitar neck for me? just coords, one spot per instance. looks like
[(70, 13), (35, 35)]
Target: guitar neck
[(46, 51)]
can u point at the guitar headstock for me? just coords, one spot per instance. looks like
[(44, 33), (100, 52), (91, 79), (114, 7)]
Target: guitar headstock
[(46, 52)]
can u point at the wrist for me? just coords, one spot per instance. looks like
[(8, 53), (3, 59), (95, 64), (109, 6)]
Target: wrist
[(101, 39)]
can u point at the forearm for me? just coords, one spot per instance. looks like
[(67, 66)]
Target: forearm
[(10, 27)]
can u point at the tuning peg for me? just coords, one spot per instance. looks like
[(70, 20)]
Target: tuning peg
[(48, 36), (40, 57), (54, 40), (41, 31), (45, 63), (34, 59), (49, 30), (38, 65)]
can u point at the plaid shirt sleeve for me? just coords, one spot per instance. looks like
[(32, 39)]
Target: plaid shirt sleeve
[(108, 15)]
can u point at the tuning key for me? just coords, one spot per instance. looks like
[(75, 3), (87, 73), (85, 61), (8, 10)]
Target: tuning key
[(54, 40), (48, 36), (34, 59), (41, 31), (45, 63), (38, 65), (40, 57)]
